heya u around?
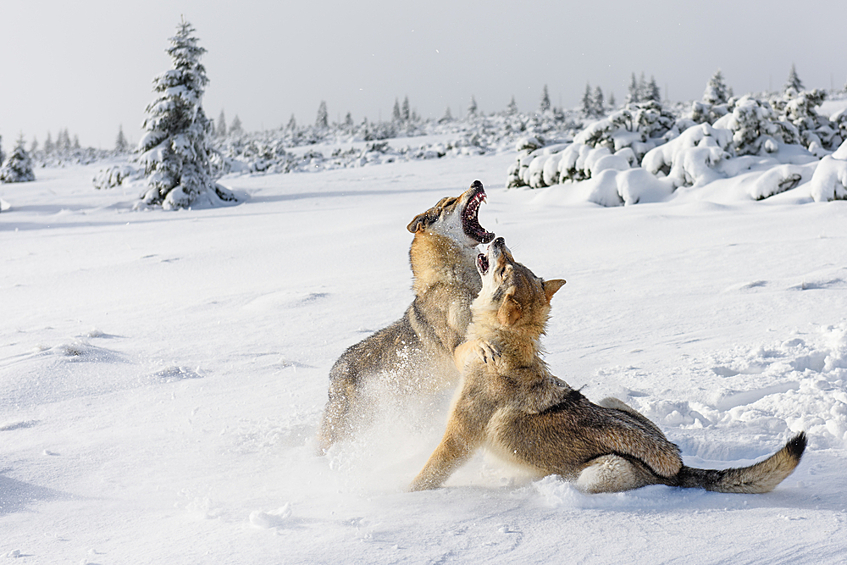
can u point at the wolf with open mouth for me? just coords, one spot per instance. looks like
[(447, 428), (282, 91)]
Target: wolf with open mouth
[(415, 353)]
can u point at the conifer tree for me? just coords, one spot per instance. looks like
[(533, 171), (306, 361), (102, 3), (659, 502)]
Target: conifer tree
[(121, 145), (407, 110), (175, 149), (587, 105), (292, 124), (633, 96), (322, 121), (793, 81), (716, 90), (598, 102), (33, 146), (512, 108), (612, 103), (472, 108), (221, 129), (448, 116), (348, 121), (235, 127), (49, 147), (652, 91), (396, 116), (19, 166), (544, 105), (2, 155)]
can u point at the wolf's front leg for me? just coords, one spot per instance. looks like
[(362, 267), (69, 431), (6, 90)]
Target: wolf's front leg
[(450, 454)]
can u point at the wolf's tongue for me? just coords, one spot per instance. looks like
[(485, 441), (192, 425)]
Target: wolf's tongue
[(482, 263)]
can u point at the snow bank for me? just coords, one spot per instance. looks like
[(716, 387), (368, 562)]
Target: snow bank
[(830, 179)]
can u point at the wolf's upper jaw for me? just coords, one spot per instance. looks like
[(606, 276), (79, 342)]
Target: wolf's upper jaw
[(470, 216)]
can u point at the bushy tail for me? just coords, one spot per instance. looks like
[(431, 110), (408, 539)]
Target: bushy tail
[(755, 479)]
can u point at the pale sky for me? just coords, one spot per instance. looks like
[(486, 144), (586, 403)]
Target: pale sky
[(88, 65)]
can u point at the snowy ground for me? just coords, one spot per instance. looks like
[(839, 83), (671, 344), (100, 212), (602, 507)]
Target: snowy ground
[(162, 373)]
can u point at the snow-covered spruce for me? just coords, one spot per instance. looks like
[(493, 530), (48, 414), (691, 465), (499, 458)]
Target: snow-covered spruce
[(175, 150), (830, 179), (18, 168)]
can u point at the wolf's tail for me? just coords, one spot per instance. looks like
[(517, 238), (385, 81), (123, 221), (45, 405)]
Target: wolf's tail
[(755, 479)]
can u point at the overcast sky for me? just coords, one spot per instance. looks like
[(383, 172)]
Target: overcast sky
[(88, 65)]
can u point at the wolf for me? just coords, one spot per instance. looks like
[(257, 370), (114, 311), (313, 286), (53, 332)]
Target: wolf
[(510, 403), (415, 353)]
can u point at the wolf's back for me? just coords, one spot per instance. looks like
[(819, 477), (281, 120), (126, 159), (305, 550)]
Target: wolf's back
[(759, 478)]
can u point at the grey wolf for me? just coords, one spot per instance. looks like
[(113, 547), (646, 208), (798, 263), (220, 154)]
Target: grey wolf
[(510, 403), (415, 353)]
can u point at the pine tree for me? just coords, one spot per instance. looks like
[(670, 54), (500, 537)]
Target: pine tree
[(2, 155), (121, 145), (348, 121), (19, 166), (407, 111), (34, 146), (221, 131), (472, 108), (652, 91), (396, 116), (716, 90), (448, 116), (544, 105), (49, 147), (612, 104), (235, 127), (76, 145), (175, 149), (793, 81), (292, 124), (598, 102), (633, 96), (322, 121), (512, 108), (587, 107)]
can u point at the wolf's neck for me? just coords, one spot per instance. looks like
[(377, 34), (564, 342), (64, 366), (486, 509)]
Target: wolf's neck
[(437, 259), (518, 348)]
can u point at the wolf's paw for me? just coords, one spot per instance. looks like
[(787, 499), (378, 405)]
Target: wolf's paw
[(486, 351)]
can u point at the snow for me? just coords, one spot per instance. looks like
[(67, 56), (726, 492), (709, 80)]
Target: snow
[(162, 373)]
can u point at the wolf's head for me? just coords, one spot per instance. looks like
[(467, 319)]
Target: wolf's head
[(456, 217), (512, 297)]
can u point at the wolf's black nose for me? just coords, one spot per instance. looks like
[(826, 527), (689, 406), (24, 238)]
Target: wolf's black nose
[(477, 185)]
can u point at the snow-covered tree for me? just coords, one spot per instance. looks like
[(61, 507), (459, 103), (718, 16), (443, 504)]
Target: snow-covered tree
[(49, 146), (512, 108), (544, 105), (793, 81), (396, 116), (448, 116), (175, 149), (599, 102), (235, 128), (652, 91), (18, 168), (3, 155), (221, 126), (121, 146), (322, 120), (292, 124), (587, 102), (33, 146), (717, 92), (472, 108), (633, 95), (612, 103), (406, 111)]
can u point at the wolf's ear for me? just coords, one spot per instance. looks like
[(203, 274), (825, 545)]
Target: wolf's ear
[(422, 221), (510, 311), (550, 287)]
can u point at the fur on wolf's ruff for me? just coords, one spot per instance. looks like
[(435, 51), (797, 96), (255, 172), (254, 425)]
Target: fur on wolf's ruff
[(415, 353), (510, 403)]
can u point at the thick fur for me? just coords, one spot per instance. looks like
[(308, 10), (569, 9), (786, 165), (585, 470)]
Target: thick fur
[(415, 353), (511, 404)]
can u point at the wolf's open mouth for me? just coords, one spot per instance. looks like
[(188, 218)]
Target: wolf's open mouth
[(470, 217), (482, 263)]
